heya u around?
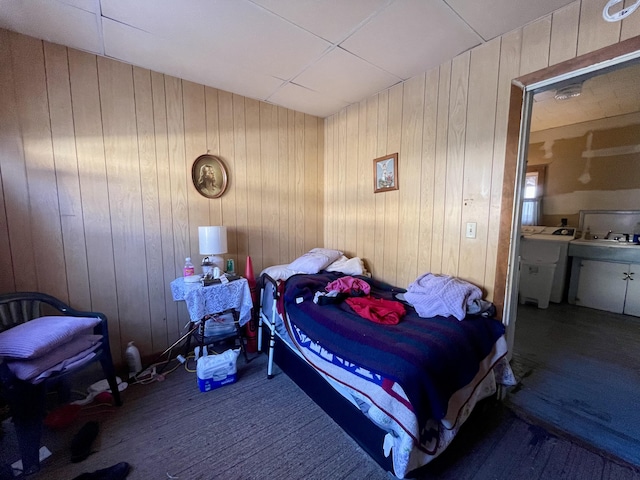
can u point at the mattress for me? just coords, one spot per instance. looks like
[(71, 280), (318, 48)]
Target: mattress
[(383, 401)]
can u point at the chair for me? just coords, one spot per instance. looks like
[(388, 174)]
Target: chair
[(26, 397)]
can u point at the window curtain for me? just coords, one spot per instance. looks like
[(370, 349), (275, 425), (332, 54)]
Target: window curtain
[(531, 210)]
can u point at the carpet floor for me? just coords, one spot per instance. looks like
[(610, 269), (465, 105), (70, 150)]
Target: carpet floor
[(269, 429)]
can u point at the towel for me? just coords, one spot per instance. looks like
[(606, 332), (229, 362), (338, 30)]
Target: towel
[(433, 295)]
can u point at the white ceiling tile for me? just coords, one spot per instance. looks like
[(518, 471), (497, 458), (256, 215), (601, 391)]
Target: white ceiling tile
[(345, 76), (92, 6), (226, 31), (161, 55), (307, 101), (491, 18), (53, 21), (332, 20), (252, 47), (412, 36)]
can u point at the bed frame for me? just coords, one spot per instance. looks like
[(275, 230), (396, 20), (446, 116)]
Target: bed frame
[(367, 434)]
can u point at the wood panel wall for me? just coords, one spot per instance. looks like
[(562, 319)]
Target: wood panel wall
[(97, 204), (449, 126)]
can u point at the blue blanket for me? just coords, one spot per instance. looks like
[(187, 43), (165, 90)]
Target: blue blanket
[(430, 358)]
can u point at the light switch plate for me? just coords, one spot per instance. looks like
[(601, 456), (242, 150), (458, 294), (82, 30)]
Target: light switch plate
[(471, 229)]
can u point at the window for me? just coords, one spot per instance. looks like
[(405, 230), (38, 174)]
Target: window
[(531, 185), (533, 191), (534, 181)]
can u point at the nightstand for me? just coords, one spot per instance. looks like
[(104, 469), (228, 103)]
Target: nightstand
[(207, 303)]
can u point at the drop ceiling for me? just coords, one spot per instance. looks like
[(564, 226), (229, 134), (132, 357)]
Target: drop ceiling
[(314, 56), (611, 95)]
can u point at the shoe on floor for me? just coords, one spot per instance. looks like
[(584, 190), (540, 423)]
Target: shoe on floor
[(81, 442), (119, 471)]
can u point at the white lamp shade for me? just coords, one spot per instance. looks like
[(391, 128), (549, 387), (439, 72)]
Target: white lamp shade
[(213, 240)]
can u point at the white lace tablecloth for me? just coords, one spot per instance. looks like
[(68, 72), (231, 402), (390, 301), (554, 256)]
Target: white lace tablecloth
[(214, 298)]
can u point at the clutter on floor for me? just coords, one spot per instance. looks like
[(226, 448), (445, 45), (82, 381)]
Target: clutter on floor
[(119, 471)]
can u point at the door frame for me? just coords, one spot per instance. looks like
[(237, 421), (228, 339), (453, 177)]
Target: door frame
[(519, 119)]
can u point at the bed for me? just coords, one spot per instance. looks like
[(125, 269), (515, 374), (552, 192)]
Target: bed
[(401, 390)]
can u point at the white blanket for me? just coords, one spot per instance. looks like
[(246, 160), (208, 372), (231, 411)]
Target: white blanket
[(433, 295)]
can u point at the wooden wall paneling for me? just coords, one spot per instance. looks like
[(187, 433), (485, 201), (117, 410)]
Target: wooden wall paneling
[(350, 245), (240, 174), (7, 283), (169, 258), (364, 212), (440, 169), (333, 184), (96, 211), (283, 181), (299, 184), (291, 186), (150, 207), (341, 184), (43, 225), (594, 32), (227, 154), (564, 33), (411, 164), (481, 114), (631, 25), (318, 127), (509, 68), (254, 184), (377, 264), (453, 229), (370, 152), (123, 178), (12, 210), (535, 45), (427, 179), (213, 144), (312, 202), (329, 168), (178, 173), (269, 181), (66, 173), (195, 144), (392, 208)]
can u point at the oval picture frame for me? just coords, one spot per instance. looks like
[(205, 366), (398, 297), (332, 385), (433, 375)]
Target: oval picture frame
[(209, 176)]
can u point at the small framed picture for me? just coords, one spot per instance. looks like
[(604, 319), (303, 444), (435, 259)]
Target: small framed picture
[(209, 176), (385, 173)]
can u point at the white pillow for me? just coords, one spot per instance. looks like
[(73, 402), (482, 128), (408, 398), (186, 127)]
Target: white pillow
[(279, 272), (348, 266), (314, 260), (41, 335)]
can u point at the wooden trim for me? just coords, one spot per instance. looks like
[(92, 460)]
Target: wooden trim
[(508, 192), (583, 61), (513, 135)]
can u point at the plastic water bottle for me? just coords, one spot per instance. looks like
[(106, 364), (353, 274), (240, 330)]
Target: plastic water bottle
[(188, 269), (133, 359)]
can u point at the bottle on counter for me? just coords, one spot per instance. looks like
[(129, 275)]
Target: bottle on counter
[(132, 354), (188, 269)]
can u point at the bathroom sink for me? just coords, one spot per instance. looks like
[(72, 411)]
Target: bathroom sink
[(604, 242)]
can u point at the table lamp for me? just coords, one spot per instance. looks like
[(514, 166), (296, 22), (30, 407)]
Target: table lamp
[(213, 242)]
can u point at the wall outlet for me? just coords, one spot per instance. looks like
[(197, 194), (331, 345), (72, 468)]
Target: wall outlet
[(471, 229)]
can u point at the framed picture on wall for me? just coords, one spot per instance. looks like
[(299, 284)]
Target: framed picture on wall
[(209, 176), (385, 173)]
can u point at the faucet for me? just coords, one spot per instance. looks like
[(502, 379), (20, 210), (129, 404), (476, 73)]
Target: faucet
[(606, 237)]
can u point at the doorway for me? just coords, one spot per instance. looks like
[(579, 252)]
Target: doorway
[(559, 393)]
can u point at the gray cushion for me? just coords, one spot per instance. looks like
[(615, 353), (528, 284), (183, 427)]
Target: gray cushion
[(41, 335)]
